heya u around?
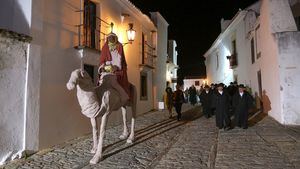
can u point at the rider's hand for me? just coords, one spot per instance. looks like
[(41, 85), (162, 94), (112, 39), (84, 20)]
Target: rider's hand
[(115, 68)]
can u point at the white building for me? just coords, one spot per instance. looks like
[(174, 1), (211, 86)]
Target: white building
[(196, 81), (172, 67), (159, 80), (46, 113), (260, 48)]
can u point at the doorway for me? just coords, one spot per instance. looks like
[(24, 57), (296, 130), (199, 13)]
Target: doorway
[(259, 83)]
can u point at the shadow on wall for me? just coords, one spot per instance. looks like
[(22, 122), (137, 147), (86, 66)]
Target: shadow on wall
[(14, 15), (266, 103), (262, 106)]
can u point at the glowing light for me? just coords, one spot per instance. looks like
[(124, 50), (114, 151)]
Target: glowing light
[(168, 76), (130, 33)]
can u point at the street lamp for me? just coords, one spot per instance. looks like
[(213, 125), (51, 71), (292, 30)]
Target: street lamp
[(130, 34)]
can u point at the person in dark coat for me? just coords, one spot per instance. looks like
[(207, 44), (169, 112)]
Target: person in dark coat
[(221, 102), (193, 95), (213, 90), (178, 99), (205, 99), (242, 103)]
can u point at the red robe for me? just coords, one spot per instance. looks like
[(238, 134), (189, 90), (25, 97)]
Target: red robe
[(121, 74)]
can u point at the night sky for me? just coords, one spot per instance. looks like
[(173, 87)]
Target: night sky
[(193, 26)]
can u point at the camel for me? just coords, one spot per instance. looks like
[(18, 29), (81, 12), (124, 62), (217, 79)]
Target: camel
[(100, 102)]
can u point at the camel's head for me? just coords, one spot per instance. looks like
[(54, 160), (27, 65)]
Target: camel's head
[(75, 75), (79, 77)]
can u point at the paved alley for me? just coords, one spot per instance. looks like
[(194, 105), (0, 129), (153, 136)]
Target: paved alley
[(192, 143)]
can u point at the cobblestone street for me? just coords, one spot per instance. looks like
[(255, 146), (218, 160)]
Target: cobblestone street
[(192, 143)]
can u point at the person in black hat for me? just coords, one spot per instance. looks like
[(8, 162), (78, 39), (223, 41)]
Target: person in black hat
[(221, 102), (205, 99), (242, 103), (178, 100)]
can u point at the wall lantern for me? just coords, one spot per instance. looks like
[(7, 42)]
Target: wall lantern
[(130, 33)]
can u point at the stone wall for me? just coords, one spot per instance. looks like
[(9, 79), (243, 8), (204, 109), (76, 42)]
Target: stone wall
[(289, 49), (13, 58)]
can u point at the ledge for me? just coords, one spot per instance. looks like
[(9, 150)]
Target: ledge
[(88, 49), (15, 35), (146, 67)]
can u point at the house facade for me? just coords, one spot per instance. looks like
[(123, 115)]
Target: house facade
[(196, 81), (66, 36), (259, 47), (159, 79)]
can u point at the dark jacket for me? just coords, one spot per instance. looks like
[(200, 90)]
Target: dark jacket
[(222, 103), (241, 106), (206, 99), (178, 97)]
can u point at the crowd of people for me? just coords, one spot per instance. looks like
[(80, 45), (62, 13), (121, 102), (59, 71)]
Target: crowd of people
[(216, 99)]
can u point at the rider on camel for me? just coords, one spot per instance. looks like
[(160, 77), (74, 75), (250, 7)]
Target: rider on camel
[(112, 59)]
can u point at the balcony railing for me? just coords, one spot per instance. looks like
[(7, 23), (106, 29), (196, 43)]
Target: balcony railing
[(149, 55), (89, 29)]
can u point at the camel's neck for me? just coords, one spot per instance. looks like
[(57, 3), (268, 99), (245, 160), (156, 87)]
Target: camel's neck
[(86, 85)]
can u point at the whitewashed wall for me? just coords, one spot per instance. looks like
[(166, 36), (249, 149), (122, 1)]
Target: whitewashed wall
[(278, 42), (289, 49), (59, 106), (187, 83), (54, 39), (279, 54), (160, 71), (15, 15), (13, 65), (51, 114)]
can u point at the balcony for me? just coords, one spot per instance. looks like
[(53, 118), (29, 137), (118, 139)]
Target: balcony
[(148, 56), (232, 61), (90, 35)]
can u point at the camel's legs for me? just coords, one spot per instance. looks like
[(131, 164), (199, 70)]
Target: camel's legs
[(131, 136), (95, 134), (98, 155), (125, 133)]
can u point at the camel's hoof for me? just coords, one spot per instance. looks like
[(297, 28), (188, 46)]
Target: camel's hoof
[(129, 141), (95, 159), (123, 136)]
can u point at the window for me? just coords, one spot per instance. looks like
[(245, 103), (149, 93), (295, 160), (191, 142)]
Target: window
[(259, 83), (90, 69), (143, 48), (197, 83), (257, 39), (233, 57), (252, 51), (90, 24), (297, 20), (144, 93)]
